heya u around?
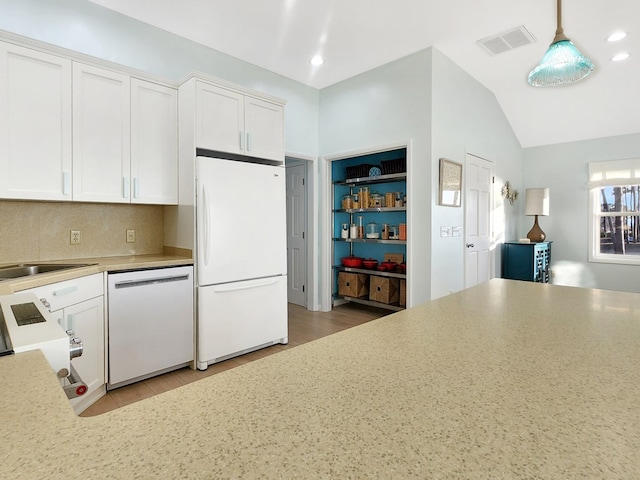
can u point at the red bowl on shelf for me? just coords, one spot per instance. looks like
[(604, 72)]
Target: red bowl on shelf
[(370, 263), (381, 268), (353, 262), (402, 268)]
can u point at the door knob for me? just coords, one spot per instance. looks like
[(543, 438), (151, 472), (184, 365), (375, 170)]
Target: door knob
[(470, 245)]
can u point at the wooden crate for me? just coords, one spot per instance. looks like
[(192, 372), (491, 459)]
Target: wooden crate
[(353, 284), (384, 289), (403, 292)]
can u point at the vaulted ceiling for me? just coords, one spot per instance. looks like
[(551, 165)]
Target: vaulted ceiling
[(354, 36)]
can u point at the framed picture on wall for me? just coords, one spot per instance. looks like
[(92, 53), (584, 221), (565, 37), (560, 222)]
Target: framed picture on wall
[(450, 191)]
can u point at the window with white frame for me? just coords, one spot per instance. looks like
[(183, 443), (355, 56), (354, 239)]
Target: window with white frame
[(614, 194)]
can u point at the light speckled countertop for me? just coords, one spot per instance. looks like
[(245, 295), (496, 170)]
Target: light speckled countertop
[(502, 381), (97, 265)]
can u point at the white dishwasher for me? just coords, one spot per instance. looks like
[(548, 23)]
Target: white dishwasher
[(151, 323)]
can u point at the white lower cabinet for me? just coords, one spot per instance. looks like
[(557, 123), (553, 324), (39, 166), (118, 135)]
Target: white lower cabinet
[(78, 305), (86, 319)]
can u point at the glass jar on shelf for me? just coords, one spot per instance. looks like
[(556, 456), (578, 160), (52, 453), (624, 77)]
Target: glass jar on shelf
[(364, 197), (347, 202), (377, 200), (373, 230), (390, 199), (360, 227)]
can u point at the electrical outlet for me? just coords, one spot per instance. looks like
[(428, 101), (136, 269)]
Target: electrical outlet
[(75, 237), (131, 236)]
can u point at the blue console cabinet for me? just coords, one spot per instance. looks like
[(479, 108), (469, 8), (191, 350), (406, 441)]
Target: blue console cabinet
[(526, 261)]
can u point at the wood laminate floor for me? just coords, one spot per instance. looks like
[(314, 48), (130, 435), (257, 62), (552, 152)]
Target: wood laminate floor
[(304, 326)]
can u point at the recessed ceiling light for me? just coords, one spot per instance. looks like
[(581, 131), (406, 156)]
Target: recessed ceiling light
[(317, 60), (614, 37), (621, 56)]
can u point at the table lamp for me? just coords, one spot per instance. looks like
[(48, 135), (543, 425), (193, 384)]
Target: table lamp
[(536, 203)]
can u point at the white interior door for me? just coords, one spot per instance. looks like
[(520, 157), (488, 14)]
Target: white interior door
[(296, 234), (478, 178)]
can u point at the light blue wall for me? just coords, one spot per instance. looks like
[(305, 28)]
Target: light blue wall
[(467, 118), (88, 28), (564, 169), (390, 104), (445, 113)]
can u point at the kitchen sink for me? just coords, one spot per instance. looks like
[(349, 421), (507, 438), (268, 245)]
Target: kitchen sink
[(28, 269)]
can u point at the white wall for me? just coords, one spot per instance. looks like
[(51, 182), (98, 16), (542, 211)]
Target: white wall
[(88, 28), (467, 118), (390, 104), (564, 169)]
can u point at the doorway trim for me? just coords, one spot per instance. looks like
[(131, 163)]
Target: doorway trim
[(325, 220)]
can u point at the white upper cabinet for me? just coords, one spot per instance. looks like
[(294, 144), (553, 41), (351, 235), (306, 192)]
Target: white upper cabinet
[(35, 125), (219, 119), (154, 143), (101, 135), (232, 122), (264, 125)]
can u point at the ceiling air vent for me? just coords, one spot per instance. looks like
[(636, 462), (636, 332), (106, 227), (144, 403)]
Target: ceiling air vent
[(508, 40)]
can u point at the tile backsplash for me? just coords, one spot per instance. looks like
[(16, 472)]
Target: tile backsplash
[(37, 231)]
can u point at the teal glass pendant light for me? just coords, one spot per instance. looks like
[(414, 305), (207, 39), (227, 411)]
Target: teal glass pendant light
[(562, 64)]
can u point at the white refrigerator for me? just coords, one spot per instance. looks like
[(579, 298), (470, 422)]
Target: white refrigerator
[(241, 258)]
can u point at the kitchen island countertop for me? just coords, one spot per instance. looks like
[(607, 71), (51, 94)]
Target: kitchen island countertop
[(504, 380)]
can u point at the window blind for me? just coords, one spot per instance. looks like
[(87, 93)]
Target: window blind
[(614, 172)]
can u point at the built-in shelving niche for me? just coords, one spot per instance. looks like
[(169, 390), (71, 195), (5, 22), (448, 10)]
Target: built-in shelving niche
[(390, 180)]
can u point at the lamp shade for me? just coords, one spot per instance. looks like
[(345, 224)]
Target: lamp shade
[(562, 64), (537, 201)]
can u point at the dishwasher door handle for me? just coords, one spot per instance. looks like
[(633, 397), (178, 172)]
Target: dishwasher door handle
[(151, 281)]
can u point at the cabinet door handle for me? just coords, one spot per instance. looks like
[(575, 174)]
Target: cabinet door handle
[(205, 214), (66, 184), (65, 290), (470, 245), (241, 137), (125, 187), (248, 142), (135, 187)]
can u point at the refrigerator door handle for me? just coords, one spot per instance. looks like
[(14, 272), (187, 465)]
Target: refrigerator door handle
[(232, 287), (205, 221)]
